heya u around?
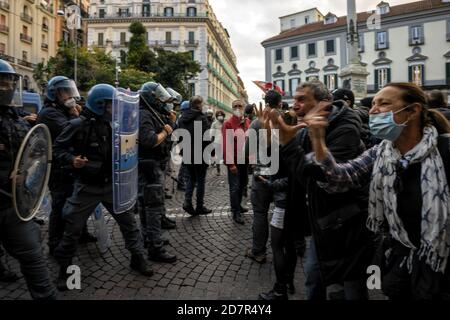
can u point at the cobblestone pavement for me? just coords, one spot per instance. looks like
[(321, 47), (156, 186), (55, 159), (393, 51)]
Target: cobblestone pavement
[(211, 263)]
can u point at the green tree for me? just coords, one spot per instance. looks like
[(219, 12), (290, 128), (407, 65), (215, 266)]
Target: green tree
[(133, 79), (139, 56)]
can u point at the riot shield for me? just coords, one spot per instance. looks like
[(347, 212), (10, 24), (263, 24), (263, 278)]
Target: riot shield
[(31, 172), (125, 126)]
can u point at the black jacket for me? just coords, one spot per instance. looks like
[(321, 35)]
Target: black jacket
[(91, 137), (13, 130), (187, 122), (56, 119), (337, 221), (149, 128)]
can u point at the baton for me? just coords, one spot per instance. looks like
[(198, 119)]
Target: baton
[(6, 193), (157, 116)]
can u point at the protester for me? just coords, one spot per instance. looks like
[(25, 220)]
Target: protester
[(217, 138), (436, 100), (233, 137), (340, 248), (409, 193), (195, 166), (182, 173)]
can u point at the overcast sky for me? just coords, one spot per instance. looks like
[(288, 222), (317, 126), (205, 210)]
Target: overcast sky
[(249, 22)]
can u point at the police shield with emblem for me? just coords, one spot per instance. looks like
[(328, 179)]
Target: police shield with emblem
[(125, 117), (31, 172)]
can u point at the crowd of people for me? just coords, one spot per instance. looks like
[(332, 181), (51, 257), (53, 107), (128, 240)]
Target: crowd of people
[(363, 182)]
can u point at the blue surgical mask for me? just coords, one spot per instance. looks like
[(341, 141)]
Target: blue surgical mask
[(384, 127)]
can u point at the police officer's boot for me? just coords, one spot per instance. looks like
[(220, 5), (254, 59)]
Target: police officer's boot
[(139, 264), (189, 208), (6, 275), (167, 223)]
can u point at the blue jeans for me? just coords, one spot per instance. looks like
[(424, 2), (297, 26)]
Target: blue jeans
[(315, 289), (237, 183), (197, 177)]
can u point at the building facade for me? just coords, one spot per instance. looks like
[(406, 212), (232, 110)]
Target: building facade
[(409, 42), (176, 25), (27, 35), (63, 34)]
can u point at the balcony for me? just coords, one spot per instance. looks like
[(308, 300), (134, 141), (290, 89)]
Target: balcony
[(25, 63), (417, 41), (26, 38), (5, 57), (44, 46), (191, 43), (382, 46), (127, 15), (4, 5), (164, 43), (25, 17), (4, 29), (45, 27), (98, 44), (118, 44)]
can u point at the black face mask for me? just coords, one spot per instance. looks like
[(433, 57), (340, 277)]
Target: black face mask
[(6, 97)]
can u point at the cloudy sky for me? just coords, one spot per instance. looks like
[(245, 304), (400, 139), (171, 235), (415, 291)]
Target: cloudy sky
[(249, 22)]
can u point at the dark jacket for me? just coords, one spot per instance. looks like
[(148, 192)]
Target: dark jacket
[(337, 221), (91, 137), (13, 130), (366, 136), (445, 112), (56, 119), (190, 118), (149, 128)]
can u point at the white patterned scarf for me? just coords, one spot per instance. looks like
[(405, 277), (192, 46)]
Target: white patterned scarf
[(435, 231)]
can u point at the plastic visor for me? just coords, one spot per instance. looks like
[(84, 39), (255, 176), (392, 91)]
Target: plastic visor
[(67, 89), (175, 95), (162, 95), (125, 126), (15, 80)]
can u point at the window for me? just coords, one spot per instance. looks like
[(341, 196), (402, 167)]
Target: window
[(2, 48), (168, 12), (311, 49), (330, 47), (382, 78), (280, 83), (383, 9), (278, 55), (123, 38), (191, 12), (24, 56), (448, 30), (361, 42), (192, 54), (100, 39), (123, 12), (416, 35), (330, 19), (331, 81), (447, 72), (146, 9), (306, 19), (293, 84), (191, 37), (26, 82), (292, 23), (294, 52), (417, 74), (101, 13), (3, 20), (382, 42), (168, 37)]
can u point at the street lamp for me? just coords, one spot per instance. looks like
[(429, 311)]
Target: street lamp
[(73, 19)]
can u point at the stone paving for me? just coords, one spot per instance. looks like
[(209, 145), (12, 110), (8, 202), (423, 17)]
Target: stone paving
[(211, 262)]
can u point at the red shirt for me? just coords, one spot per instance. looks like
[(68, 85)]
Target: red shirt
[(239, 128)]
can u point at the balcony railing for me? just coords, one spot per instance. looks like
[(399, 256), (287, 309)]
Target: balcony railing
[(164, 43), (4, 29), (191, 43), (120, 43), (4, 5), (25, 63), (44, 27), (25, 17), (6, 57), (417, 41), (146, 15), (382, 46), (26, 38), (31, 1), (44, 46)]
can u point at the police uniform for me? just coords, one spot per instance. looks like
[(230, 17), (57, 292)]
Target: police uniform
[(20, 239)]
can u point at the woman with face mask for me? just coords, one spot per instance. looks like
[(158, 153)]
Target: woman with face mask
[(216, 133), (409, 174)]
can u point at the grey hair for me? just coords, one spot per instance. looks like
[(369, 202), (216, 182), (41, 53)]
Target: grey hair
[(319, 90)]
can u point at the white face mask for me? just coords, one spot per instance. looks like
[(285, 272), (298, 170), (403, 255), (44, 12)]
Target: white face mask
[(220, 118), (70, 103), (237, 113)]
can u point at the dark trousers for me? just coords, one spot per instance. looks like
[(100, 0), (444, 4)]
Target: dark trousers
[(22, 240), (152, 198), (261, 198), (60, 192), (284, 255), (237, 183), (79, 207), (182, 176), (197, 177)]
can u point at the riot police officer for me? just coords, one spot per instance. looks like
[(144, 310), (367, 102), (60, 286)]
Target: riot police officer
[(20, 239), (60, 106), (156, 126), (86, 145)]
